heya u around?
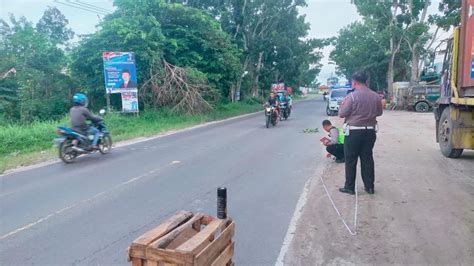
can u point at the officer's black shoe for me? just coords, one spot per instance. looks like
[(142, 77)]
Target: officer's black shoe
[(370, 190), (340, 161), (346, 190)]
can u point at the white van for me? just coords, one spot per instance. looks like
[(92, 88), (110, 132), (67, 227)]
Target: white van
[(334, 100)]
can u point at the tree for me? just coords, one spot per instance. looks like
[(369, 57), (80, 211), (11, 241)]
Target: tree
[(357, 47), (272, 35), (139, 34), (54, 25), (155, 30), (417, 34), (451, 14), (40, 89)]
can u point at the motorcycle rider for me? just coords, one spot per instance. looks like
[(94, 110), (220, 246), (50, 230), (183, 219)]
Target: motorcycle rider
[(80, 115), (288, 99), (273, 101)]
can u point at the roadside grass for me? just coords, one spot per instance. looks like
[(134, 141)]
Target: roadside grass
[(23, 145)]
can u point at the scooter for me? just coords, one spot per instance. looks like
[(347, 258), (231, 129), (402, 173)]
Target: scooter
[(72, 143)]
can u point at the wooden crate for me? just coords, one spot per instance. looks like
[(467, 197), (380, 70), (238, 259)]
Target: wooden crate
[(185, 239)]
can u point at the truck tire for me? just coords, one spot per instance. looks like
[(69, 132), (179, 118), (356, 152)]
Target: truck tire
[(445, 133), (422, 107)]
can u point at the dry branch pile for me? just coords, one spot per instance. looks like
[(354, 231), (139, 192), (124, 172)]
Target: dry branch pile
[(178, 88)]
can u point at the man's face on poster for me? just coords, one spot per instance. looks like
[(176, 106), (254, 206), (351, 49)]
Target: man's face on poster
[(126, 77)]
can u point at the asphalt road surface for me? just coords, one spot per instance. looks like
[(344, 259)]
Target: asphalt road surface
[(88, 213)]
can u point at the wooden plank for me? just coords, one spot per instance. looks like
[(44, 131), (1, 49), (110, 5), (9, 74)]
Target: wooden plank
[(136, 261), (151, 263), (207, 255), (207, 219), (202, 239), (185, 235), (164, 241), (169, 256), (138, 247), (164, 228), (137, 252), (225, 257)]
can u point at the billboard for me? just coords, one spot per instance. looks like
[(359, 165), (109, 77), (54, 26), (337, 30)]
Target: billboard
[(130, 101), (120, 73)]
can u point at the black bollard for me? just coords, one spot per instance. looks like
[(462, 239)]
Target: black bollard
[(222, 203)]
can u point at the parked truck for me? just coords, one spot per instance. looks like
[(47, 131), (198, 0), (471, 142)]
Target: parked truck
[(454, 110)]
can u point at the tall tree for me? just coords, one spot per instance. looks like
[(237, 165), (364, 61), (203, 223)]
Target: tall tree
[(272, 35), (55, 25), (379, 13), (357, 47), (40, 89), (417, 34)]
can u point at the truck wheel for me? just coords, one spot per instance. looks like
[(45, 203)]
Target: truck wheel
[(445, 134), (422, 107)]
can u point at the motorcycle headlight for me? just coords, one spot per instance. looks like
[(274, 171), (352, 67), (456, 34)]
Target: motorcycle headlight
[(268, 109)]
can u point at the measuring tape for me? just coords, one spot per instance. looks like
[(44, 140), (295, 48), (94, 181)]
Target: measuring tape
[(337, 210)]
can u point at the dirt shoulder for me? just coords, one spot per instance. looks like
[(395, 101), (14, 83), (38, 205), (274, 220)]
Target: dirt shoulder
[(422, 211)]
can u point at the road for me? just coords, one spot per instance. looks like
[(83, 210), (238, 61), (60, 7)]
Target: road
[(90, 211)]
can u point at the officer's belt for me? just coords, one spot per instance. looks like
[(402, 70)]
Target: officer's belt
[(360, 128)]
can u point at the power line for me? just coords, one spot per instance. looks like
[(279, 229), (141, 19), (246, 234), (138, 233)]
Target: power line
[(77, 2), (82, 8)]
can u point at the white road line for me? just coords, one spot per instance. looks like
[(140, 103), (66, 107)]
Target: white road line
[(98, 195)]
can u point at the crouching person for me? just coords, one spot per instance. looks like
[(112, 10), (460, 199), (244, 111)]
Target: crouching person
[(335, 143)]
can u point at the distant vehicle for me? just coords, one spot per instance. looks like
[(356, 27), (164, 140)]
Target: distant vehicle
[(334, 100), (423, 98)]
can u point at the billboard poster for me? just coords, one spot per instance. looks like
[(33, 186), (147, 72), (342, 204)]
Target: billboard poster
[(130, 101), (120, 73)]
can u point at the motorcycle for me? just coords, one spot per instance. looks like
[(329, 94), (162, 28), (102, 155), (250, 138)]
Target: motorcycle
[(271, 115), (285, 111), (72, 143)]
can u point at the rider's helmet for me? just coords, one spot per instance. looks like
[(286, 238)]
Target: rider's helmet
[(80, 99)]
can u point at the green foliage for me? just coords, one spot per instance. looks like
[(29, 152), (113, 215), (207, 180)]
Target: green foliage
[(272, 36), (358, 48), (390, 38), (218, 40), (451, 15), (184, 36), (140, 34), (54, 25), (40, 88)]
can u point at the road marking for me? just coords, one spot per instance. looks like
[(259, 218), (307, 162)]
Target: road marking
[(98, 195)]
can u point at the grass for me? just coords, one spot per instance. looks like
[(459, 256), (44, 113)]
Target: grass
[(28, 144)]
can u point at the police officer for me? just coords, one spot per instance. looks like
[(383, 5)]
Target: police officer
[(360, 109)]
